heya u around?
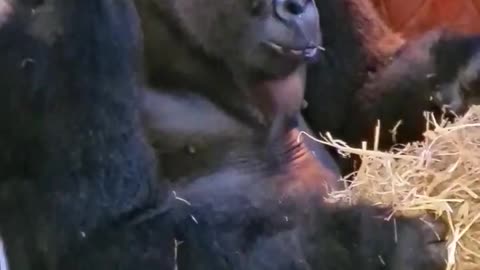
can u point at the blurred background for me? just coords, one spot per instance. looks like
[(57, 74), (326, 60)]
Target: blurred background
[(413, 17)]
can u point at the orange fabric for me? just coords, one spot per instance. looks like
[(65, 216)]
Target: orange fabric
[(413, 17)]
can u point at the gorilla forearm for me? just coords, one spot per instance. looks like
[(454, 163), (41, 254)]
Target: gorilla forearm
[(368, 73), (147, 244), (426, 74), (234, 234), (357, 42)]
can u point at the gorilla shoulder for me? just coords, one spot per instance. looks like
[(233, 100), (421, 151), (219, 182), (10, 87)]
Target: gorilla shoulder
[(73, 161)]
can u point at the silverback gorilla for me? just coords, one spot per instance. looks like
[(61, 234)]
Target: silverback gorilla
[(75, 170), (368, 73), (222, 108)]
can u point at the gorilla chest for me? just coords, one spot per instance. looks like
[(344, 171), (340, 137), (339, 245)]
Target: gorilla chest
[(195, 138), (192, 161), (291, 160)]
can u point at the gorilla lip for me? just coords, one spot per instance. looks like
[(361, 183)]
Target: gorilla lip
[(307, 52)]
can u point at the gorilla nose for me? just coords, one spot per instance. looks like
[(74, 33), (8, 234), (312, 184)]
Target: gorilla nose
[(289, 9), (301, 16)]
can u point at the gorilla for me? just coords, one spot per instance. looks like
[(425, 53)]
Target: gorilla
[(368, 73), (222, 108), (79, 186), (212, 117), (76, 171)]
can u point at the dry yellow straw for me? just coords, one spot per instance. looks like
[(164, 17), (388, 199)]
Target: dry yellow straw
[(440, 175)]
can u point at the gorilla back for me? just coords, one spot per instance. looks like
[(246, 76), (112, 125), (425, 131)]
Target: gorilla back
[(73, 158)]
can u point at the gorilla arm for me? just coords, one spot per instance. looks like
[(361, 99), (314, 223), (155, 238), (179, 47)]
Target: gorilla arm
[(295, 231), (438, 71)]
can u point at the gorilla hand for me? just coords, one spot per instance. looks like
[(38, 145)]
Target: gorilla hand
[(421, 245), (366, 239)]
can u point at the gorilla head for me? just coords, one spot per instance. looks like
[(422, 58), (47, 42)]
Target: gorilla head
[(230, 51), (262, 36)]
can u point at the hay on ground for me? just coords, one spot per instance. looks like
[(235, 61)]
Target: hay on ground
[(439, 175)]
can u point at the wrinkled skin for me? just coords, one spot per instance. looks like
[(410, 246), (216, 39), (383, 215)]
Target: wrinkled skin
[(368, 73), (223, 113)]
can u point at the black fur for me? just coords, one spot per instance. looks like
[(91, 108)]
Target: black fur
[(230, 220), (368, 73), (229, 101), (248, 195), (74, 163), (78, 189)]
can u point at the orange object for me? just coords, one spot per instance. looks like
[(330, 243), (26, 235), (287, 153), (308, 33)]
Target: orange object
[(413, 17)]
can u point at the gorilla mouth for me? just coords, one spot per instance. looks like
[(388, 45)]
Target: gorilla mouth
[(306, 52)]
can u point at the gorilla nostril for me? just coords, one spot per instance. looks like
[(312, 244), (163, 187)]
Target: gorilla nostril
[(293, 7), (287, 9)]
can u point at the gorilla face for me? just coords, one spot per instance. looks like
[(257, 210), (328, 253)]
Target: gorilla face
[(269, 38)]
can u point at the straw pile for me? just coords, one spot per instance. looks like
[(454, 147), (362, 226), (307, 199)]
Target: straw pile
[(439, 175)]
